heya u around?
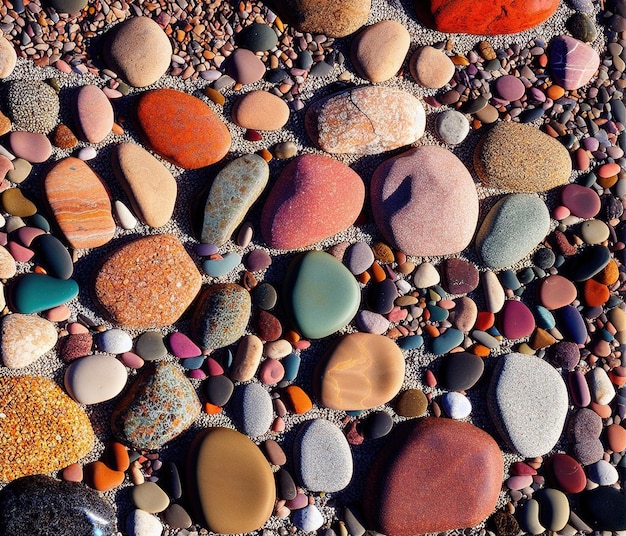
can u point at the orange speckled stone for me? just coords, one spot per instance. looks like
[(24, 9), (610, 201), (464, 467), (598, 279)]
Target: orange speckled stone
[(80, 204), (595, 293), (181, 128), (41, 429), (102, 478), (147, 283), (609, 274)]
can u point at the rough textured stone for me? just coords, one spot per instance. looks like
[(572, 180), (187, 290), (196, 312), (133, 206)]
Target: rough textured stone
[(335, 18), (25, 338)]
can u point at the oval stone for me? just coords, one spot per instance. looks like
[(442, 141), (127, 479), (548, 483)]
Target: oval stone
[(33, 293), (555, 292), (93, 114), (516, 320), (181, 128), (365, 120), (581, 201), (30, 146), (410, 191), (25, 338), (54, 256), (253, 407), (572, 62), (260, 110), (460, 371), (360, 371), (334, 18), (230, 481), (314, 197), (512, 229), (565, 473), (95, 379)]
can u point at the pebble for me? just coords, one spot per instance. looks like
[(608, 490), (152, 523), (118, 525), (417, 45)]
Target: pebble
[(328, 17), (265, 296), (8, 58), (114, 341), (411, 403), (509, 88), (260, 110), (371, 322), (33, 293), (220, 267), (603, 508), (554, 509), (308, 519), (93, 114), (30, 146), (244, 66), (258, 37), (426, 275), (253, 406), (359, 257), (378, 424), (555, 292), (458, 275), (20, 172), (218, 389), (452, 127), (600, 386), (572, 62), (460, 371), (24, 339), (602, 473), (140, 523), (448, 340), (31, 105), (565, 473), (430, 67), (150, 346), (456, 405), (53, 255), (149, 497), (582, 27)]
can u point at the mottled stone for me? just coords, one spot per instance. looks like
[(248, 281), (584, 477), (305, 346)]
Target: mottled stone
[(334, 18), (24, 339)]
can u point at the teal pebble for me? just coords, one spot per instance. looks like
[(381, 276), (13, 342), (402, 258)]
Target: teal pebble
[(54, 256), (449, 339), (33, 293), (509, 280), (291, 363), (411, 343), (354, 412), (493, 331), (543, 317), (437, 314), (526, 276), (219, 267), (192, 363), (37, 220)]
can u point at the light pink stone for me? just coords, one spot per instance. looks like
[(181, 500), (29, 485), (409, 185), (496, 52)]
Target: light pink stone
[(31, 146), (93, 114), (58, 314), (572, 62)]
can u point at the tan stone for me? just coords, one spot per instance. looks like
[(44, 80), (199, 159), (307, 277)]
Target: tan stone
[(334, 18), (247, 358), (260, 110), (430, 67), (25, 338), (8, 57)]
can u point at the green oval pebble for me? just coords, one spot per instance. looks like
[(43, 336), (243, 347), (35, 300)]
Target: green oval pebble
[(33, 293), (150, 346)]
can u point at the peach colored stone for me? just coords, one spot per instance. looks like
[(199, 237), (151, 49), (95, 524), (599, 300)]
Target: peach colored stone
[(260, 110)]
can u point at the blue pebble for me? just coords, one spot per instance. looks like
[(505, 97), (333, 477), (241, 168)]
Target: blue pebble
[(543, 317), (449, 339), (354, 412), (411, 343), (437, 314), (219, 267), (193, 363), (572, 324), (291, 363)]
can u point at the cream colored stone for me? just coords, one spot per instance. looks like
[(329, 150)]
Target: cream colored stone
[(25, 338), (260, 110), (431, 68), (247, 358), (8, 57)]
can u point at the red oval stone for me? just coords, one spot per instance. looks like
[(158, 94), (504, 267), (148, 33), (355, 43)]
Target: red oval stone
[(578, 389), (565, 473), (582, 202), (516, 320), (555, 292)]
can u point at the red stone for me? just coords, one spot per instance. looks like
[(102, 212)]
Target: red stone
[(616, 437), (181, 128), (483, 17), (516, 320), (268, 327), (565, 473), (414, 485), (595, 293)]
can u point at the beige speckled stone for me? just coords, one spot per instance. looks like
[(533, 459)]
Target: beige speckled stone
[(25, 338), (430, 67), (7, 264), (8, 57), (334, 18)]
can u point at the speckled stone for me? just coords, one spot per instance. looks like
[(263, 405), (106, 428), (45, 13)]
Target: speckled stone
[(159, 405), (459, 276), (254, 411), (334, 18), (32, 105), (8, 58), (221, 315), (161, 273), (24, 339), (40, 504), (430, 67)]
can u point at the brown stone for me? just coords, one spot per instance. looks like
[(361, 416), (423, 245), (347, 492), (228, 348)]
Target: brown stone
[(334, 18), (411, 403), (433, 475), (63, 137)]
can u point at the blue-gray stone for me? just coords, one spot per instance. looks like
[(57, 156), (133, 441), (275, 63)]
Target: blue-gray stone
[(449, 339)]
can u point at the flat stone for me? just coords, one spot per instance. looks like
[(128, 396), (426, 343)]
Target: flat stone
[(528, 403), (150, 187), (320, 294), (588, 263), (458, 275), (150, 346), (420, 461), (512, 229), (46, 504), (322, 456), (600, 386), (452, 127), (93, 114), (430, 67), (33, 293), (334, 18), (95, 379), (17, 204), (459, 371), (181, 128), (456, 405), (160, 404), (411, 403), (218, 389), (360, 371), (68, 6), (426, 275), (33, 147), (24, 339), (507, 146), (581, 201), (258, 37), (221, 315), (448, 340), (20, 172), (142, 523), (378, 50), (149, 497), (244, 66), (65, 438), (565, 473), (381, 296), (254, 410), (8, 268), (138, 50), (232, 482), (114, 341), (365, 120), (260, 110), (409, 191), (604, 508), (220, 267), (516, 320), (465, 314), (572, 62), (555, 292), (314, 198), (232, 193), (163, 277)]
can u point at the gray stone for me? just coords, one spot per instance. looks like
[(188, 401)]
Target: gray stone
[(253, 405), (452, 127)]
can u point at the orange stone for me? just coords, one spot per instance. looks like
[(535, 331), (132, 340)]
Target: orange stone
[(601, 409), (298, 400), (117, 457), (80, 204), (595, 293), (609, 274), (102, 478), (616, 436), (181, 128)]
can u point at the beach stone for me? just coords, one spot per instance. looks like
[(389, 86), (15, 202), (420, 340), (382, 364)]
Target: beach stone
[(258, 37), (360, 371), (138, 50), (16, 204), (421, 460), (231, 482), (554, 509), (460, 371), (218, 389), (411, 403), (320, 294), (94, 379), (260, 110), (565, 354), (33, 293), (221, 315), (93, 114), (581, 201), (254, 410), (334, 18), (20, 172), (452, 127), (8, 57), (308, 518), (33, 147), (506, 146), (528, 403), (594, 231), (359, 257), (407, 190), (483, 18), (604, 508), (555, 292), (449, 339), (322, 457), (602, 473), (220, 267), (232, 193), (54, 431), (588, 263), (512, 229), (140, 523), (430, 67), (24, 339), (67, 6), (8, 268), (32, 105), (381, 296), (600, 386), (161, 294), (365, 120), (244, 66), (181, 128), (150, 346), (371, 322), (565, 473), (378, 50), (584, 425), (426, 275), (458, 275), (160, 404), (150, 187), (247, 359), (80, 204), (149, 497), (572, 62), (46, 504), (314, 198), (53, 255), (582, 27), (114, 341), (465, 314)]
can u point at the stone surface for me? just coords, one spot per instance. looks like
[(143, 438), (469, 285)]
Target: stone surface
[(528, 403), (232, 193), (360, 371), (33, 293), (181, 128), (452, 127), (459, 276), (460, 371), (322, 457), (409, 192), (430, 67), (314, 197), (230, 481), (555, 292), (24, 339), (163, 277), (512, 229), (516, 320), (150, 187), (80, 203), (572, 62), (8, 58), (53, 256), (260, 110), (94, 379), (30, 146), (93, 114), (334, 18), (32, 105), (422, 460), (503, 160), (365, 120), (53, 430), (160, 404), (139, 51), (254, 411), (244, 66), (140, 523)]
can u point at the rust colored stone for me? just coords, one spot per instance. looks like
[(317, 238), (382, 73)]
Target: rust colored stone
[(63, 137), (102, 478)]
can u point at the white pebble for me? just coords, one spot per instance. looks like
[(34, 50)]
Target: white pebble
[(87, 153), (456, 405), (115, 341), (403, 286), (426, 275), (124, 216), (140, 523), (308, 519)]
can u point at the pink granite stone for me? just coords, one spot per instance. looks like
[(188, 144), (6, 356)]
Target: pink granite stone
[(93, 114)]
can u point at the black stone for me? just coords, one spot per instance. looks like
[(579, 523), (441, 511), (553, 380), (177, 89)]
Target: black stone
[(378, 424), (604, 508), (544, 258), (276, 75), (587, 263), (285, 486), (54, 256), (218, 389), (381, 296), (40, 505), (257, 37), (265, 296), (169, 480), (460, 371)]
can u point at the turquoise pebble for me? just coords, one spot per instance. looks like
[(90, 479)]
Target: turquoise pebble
[(354, 412), (493, 331), (192, 363), (509, 280), (291, 363), (613, 302), (33, 293), (437, 314), (37, 220), (449, 339), (543, 317), (605, 335), (54, 256), (411, 343), (219, 267)]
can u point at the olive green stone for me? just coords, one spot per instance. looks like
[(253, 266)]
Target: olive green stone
[(411, 403), (33, 293), (150, 346), (14, 202)]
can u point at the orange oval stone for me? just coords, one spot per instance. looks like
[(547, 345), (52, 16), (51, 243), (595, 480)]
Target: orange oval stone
[(298, 400), (595, 293), (616, 436), (102, 478)]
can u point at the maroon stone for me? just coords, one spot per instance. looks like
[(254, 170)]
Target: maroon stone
[(459, 276), (268, 327), (75, 346), (581, 201), (565, 473), (516, 320)]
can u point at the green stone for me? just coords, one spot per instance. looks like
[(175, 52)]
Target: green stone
[(258, 37), (33, 293), (321, 295), (150, 346)]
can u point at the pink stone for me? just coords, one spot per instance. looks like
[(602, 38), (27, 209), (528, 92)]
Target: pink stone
[(213, 368), (131, 360), (582, 202), (63, 66), (560, 213), (182, 346), (5, 166), (93, 114), (271, 372), (300, 501), (519, 482), (555, 292), (572, 62), (75, 328), (31, 146), (196, 374), (19, 252), (27, 234), (516, 320), (244, 66), (58, 314)]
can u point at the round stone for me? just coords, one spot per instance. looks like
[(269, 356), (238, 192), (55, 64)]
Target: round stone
[(334, 18), (430, 67), (510, 88), (258, 37), (411, 403), (260, 110), (460, 371), (253, 405), (93, 114), (149, 497), (8, 57), (32, 105), (452, 127), (244, 66), (150, 346)]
